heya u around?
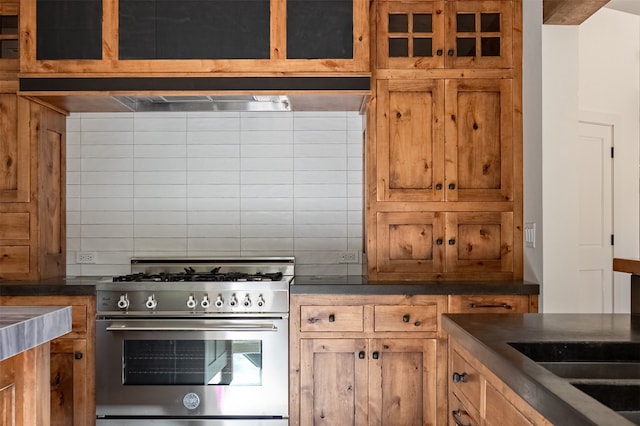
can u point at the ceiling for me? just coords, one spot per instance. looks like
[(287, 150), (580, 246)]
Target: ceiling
[(630, 6)]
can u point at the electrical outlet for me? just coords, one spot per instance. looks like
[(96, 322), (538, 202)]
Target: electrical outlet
[(86, 257), (348, 257), (530, 235)]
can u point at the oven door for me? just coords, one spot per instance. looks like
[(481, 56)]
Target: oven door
[(192, 368)]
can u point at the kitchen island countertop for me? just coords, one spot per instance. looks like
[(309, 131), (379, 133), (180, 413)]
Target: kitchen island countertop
[(487, 337), (25, 327)]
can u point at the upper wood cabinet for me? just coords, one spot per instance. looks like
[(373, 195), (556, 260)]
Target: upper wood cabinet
[(9, 52), (415, 119), (444, 34), (200, 36)]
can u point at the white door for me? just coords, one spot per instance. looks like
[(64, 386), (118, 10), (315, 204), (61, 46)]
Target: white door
[(595, 249)]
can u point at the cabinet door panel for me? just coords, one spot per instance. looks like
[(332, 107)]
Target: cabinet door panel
[(410, 35), (479, 130), (479, 34), (410, 242), (333, 382), (410, 155), (14, 156), (403, 382), (69, 390), (480, 241)]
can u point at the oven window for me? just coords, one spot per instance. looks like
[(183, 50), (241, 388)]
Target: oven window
[(192, 362)]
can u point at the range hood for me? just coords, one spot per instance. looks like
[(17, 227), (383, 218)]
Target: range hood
[(205, 103), (204, 93)]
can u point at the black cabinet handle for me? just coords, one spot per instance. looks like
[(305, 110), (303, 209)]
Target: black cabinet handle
[(438, 186), (78, 355), (439, 52), (450, 52), (459, 377), (332, 318), (439, 242), (499, 305), (456, 417), (361, 354), (375, 355), (452, 242), (452, 186), (405, 318)]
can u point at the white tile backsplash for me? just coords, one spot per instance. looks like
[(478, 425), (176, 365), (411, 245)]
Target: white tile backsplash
[(214, 184)]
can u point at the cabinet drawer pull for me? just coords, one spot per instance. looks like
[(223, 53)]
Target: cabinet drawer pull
[(361, 354), (78, 355), (459, 377), (332, 318), (438, 186), (375, 355), (457, 414), (452, 242), (452, 186), (439, 52), (450, 52), (405, 318), (496, 306), (439, 242)]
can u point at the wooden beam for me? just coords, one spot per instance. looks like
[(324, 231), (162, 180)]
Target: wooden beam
[(569, 12)]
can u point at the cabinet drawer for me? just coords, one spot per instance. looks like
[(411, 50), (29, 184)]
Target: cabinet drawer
[(406, 318), (332, 318), (495, 304), (459, 414), (499, 411), (465, 380)]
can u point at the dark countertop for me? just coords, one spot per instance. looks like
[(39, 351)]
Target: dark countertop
[(65, 286), (359, 285), (486, 337)]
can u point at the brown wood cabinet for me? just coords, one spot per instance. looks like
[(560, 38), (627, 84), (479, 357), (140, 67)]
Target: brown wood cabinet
[(380, 360), (23, 390), (478, 397), (72, 360), (444, 151), (272, 36), (32, 190), (347, 353), (444, 34)]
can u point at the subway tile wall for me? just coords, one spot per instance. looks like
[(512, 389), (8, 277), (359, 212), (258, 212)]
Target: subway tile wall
[(215, 184)]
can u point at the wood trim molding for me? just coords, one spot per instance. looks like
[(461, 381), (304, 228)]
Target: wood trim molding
[(569, 12)]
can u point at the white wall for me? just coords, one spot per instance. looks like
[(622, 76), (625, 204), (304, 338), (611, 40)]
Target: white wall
[(532, 134), (609, 90), (587, 71), (214, 184)]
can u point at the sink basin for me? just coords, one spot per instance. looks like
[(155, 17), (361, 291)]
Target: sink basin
[(623, 398), (585, 360), (580, 351), (609, 372)]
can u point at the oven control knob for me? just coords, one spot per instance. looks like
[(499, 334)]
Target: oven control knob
[(233, 301), (123, 302), (260, 301), (151, 302), (191, 302), (247, 301), (205, 301), (219, 302)]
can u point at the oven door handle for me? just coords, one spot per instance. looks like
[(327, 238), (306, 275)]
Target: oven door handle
[(173, 326)]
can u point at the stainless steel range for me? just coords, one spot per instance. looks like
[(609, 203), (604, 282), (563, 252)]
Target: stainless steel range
[(197, 342)]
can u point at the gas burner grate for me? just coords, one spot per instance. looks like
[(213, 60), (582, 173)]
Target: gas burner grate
[(191, 275)]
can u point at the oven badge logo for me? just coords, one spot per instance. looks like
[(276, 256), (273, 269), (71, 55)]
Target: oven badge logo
[(191, 401)]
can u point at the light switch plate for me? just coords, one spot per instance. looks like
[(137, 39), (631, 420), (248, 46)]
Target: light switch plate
[(530, 235)]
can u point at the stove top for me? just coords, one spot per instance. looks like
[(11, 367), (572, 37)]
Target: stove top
[(191, 274), (199, 286)]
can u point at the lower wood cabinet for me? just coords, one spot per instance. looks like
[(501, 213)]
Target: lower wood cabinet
[(478, 397), (382, 360), (72, 360), (369, 360)]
